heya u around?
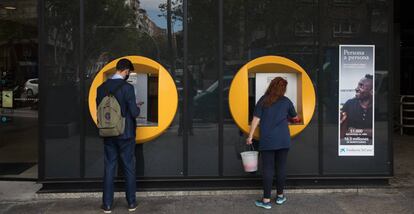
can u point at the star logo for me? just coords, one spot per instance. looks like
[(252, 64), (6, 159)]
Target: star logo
[(108, 116)]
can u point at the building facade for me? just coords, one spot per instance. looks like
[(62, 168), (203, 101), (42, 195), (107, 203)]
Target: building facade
[(203, 44)]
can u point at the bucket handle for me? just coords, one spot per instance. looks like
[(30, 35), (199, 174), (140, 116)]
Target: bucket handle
[(251, 147)]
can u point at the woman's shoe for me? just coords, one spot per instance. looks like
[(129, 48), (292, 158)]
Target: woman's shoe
[(280, 200), (266, 205)]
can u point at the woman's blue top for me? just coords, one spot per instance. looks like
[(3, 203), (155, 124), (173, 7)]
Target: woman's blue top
[(274, 130)]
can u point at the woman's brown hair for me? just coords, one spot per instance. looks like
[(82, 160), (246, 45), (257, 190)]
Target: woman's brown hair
[(276, 89)]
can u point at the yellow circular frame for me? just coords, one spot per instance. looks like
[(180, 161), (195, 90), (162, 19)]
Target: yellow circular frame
[(239, 91), (167, 94)]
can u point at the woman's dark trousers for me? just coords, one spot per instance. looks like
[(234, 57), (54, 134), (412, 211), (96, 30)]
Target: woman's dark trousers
[(270, 160)]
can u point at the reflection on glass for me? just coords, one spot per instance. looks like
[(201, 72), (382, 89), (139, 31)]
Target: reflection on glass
[(61, 75), (257, 28), (154, 28), (18, 89), (366, 27), (202, 87), (150, 28)]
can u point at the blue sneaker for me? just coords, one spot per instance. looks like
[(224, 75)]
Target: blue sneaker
[(280, 200), (260, 203)]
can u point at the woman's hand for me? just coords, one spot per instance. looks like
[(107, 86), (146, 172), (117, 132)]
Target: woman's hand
[(294, 119), (255, 123), (249, 141)]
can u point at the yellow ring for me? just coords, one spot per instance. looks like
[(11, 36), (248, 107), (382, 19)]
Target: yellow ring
[(167, 95), (239, 91)]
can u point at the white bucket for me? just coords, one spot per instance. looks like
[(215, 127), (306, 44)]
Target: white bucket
[(249, 159)]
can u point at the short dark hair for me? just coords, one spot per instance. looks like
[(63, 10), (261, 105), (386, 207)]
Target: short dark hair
[(124, 64)]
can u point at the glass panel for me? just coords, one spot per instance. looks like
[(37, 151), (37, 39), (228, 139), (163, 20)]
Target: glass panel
[(119, 28), (62, 107), (373, 30), (202, 88), (257, 28), (18, 89)]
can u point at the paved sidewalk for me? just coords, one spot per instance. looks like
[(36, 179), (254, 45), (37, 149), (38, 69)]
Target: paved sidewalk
[(398, 198), (389, 200)]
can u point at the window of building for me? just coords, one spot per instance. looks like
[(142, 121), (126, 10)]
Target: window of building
[(345, 2), (303, 28), (307, 1), (345, 29)]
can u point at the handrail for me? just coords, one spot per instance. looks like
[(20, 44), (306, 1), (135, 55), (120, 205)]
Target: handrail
[(404, 107)]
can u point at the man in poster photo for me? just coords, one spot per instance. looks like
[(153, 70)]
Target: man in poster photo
[(356, 114)]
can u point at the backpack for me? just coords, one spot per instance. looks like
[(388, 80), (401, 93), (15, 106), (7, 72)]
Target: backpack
[(110, 120)]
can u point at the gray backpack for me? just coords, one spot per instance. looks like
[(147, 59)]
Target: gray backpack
[(110, 120)]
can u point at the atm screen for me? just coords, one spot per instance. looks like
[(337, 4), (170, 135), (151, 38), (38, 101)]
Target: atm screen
[(263, 80), (146, 92), (259, 82)]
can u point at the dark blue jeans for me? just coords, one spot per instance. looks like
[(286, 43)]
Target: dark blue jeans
[(269, 159), (125, 149)]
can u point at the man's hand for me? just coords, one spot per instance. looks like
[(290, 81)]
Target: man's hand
[(344, 116)]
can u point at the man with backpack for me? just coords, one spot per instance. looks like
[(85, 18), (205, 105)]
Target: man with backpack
[(117, 110)]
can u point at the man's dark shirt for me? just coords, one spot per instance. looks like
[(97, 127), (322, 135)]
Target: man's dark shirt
[(357, 116)]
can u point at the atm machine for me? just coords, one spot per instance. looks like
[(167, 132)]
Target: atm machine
[(252, 80), (154, 88), (259, 82), (146, 92)]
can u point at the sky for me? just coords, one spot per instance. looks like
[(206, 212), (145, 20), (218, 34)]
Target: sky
[(151, 6)]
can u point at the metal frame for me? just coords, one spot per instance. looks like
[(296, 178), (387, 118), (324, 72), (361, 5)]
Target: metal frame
[(81, 73), (404, 108), (392, 70), (319, 92), (42, 87), (221, 89), (200, 183), (185, 98)]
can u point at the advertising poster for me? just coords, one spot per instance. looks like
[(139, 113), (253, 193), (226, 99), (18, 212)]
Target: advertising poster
[(356, 100)]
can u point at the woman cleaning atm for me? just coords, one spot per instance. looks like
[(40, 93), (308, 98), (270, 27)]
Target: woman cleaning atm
[(273, 111)]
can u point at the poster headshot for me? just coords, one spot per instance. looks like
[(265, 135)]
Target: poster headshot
[(356, 100)]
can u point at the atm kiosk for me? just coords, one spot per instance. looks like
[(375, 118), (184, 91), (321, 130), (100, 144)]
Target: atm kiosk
[(146, 92), (153, 86), (252, 80)]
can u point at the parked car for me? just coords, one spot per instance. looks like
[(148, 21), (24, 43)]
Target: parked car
[(31, 87), (206, 102)]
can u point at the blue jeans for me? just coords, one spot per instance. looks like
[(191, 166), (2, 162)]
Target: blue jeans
[(125, 149)]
